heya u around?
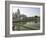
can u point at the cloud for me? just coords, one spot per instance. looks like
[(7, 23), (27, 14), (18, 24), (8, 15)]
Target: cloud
[(30, 11)]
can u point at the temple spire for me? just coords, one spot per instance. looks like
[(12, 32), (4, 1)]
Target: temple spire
[(18, 11)]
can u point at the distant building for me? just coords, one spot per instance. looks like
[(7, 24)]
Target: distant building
[(18, 17)]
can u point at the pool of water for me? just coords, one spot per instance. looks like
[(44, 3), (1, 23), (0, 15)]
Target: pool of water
[(27, 26)]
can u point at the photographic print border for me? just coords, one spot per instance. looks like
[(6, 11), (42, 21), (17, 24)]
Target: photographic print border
[(7, 18)]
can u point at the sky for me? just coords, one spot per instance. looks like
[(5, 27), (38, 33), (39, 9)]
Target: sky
[(28, 11)]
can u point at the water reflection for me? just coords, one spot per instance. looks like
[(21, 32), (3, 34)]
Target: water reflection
[(32, 25)]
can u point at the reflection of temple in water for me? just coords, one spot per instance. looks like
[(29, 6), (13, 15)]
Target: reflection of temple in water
[(17, 17)]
